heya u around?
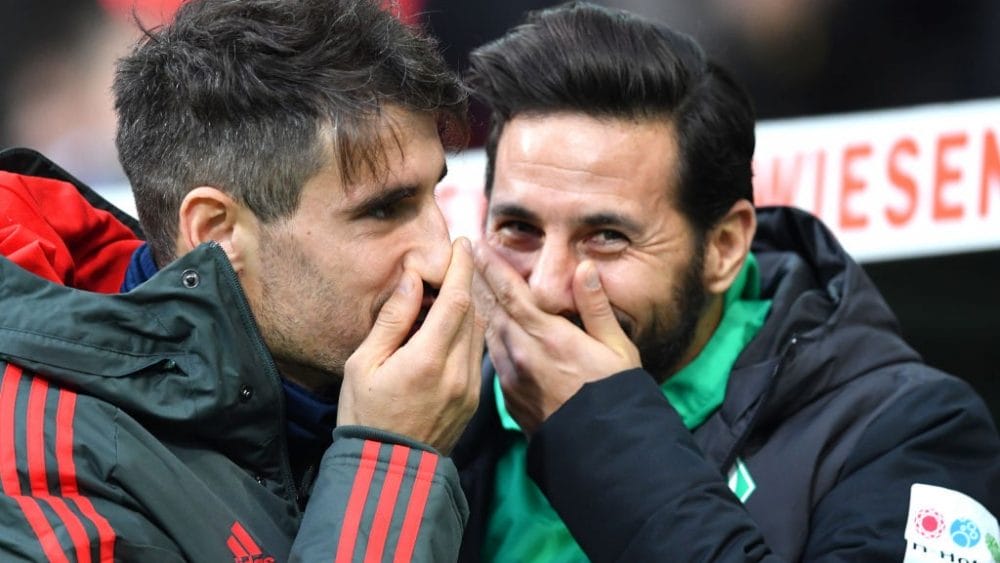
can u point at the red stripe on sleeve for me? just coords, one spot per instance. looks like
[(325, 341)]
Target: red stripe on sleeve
[(38, 480), (386, 504), (77, 533), (37, 474), (356, 502), (46, 536), (8, 402), (241, 534), (36, 437), (65, 412), (64, 443), (415, 508), (105, 533)]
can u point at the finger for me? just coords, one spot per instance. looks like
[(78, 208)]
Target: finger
[(509, 289), (482, 296), (505, 372), (485, 305), (594, 307), (460, 354), (496, 345), (394, 321), (477, 340), (448, 314), (470, 351)]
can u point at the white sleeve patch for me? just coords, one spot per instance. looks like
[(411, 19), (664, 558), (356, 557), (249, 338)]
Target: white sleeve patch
[(946, 525)]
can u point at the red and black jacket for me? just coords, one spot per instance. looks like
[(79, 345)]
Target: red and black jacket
[(150, 425)]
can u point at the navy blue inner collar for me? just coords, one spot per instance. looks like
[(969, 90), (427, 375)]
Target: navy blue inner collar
[(140, 268)]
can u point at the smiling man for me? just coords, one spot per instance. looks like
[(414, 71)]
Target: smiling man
[(279, 370), (673, 374)]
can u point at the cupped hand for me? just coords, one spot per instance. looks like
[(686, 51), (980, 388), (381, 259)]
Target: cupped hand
[(543, 359), (427, 387)]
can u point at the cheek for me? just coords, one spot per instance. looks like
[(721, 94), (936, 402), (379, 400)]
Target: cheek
[(365, 285), (358, 270), (377, 273), (630, 289), (618, 286)]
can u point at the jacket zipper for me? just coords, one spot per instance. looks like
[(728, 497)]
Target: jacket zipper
[(271, 369), (740, 442)]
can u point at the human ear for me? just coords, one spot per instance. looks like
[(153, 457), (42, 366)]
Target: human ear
[(209, 214), (727, 245)]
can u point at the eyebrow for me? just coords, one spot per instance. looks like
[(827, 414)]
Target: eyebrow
[(388, 197), (513, 211), (604, 219)]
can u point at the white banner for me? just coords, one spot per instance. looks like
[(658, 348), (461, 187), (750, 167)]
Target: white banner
[(890, 184)]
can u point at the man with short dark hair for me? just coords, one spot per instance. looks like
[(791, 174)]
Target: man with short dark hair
[(675, 375), (298, 276)]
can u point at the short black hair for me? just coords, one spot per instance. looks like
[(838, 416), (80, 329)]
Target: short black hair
[(250, 96), (606, 63)]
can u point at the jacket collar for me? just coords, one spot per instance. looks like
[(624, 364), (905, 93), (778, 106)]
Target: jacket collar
[(181, 353), (828, 325)]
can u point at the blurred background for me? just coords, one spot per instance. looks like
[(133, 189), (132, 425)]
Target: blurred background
[(56, 67), (796, 58)]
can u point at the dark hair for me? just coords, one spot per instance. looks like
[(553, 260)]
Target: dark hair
[(253, 96), (608, 63)]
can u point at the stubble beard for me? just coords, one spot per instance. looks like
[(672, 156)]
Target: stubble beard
[(308, 352), (664, 345)]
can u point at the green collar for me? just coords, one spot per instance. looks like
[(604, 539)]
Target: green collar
[(698, 389)]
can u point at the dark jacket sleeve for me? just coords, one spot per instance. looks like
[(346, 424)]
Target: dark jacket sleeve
[(56, 454), (382, 497), (620, 442), (937, 434)]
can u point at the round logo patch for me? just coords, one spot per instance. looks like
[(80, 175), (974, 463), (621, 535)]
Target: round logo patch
[(930, 523), (964, 533)]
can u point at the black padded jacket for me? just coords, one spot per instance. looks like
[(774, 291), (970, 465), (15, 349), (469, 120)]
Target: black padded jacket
[(832, 413)]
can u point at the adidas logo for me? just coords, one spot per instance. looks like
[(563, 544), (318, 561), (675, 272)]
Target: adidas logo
[(244, 549)]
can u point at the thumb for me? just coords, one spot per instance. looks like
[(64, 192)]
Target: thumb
[(394, 321), (594, 308)]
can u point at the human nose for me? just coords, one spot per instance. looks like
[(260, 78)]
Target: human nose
[(551, 279), (430, 251)]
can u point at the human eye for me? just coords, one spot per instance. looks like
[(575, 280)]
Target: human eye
[(394, 205), (515, 233), (518, 227), (384, 212), (608, 240)]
